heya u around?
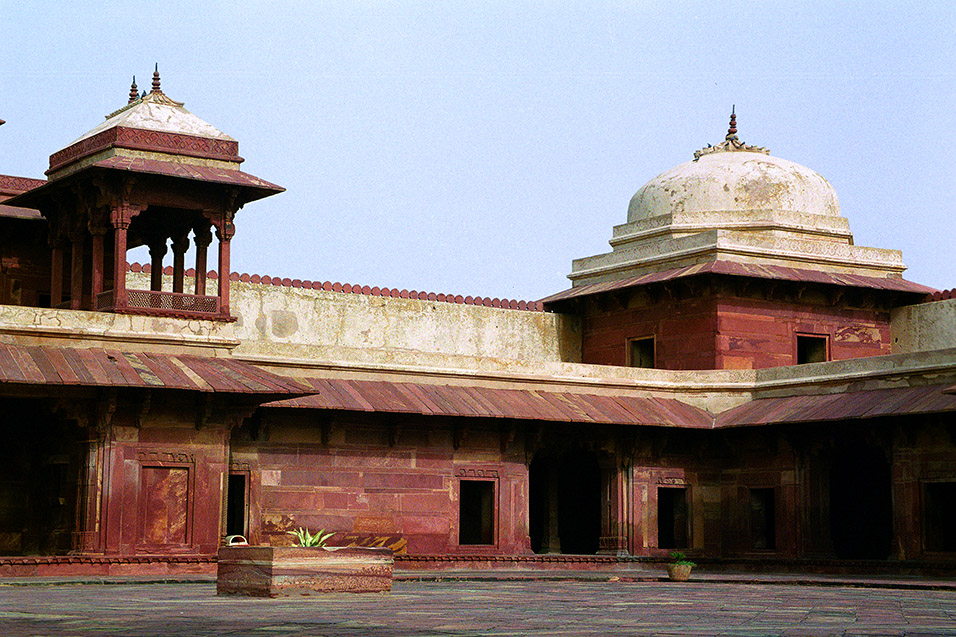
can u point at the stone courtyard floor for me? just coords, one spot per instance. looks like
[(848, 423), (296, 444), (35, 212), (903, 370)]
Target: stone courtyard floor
[(491, 606)]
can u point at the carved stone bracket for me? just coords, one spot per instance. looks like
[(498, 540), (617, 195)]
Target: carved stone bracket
[(325, 427), (508, 432), (394, 431), (459, 435), (203, 410), (144, 406)]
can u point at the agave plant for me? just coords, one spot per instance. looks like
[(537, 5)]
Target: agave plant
[(308, 539)]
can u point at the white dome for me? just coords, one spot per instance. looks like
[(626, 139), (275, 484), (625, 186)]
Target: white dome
[(736, 181)]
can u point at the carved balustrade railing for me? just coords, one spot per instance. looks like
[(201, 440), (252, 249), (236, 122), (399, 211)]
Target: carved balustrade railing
[(160, 302)]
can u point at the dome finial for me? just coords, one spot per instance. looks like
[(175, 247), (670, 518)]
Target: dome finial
[(732, 131), (156, 88), (730, 143), (133, 91)]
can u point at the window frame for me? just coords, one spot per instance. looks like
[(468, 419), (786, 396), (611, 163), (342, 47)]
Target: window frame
[(631, 341)]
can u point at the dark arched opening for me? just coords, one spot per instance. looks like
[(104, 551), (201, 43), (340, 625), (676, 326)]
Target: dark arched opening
[(861, 515)]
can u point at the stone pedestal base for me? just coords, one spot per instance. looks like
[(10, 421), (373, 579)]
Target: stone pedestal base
[(273, 571)]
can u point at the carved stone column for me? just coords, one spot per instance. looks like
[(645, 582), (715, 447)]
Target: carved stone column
[(98, 263), (551, 539), (202, 237), (613, 539), (224, 235), (119, 219), (91, 487), (180, 245), (157, 250), (77, 238), (56, 274)]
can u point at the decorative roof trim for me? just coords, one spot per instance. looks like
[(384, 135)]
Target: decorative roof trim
[(12, 185), (355, 288), (148, 140), (943, 295)]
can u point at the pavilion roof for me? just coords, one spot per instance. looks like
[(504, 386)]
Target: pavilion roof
[(734, 268)]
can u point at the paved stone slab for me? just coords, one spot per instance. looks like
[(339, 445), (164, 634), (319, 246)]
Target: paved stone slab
[(481, 608)]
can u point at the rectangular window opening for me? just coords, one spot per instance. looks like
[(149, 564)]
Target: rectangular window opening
[(762, 519), (476, 521), (673, 521), (641, 352), (236, 505), (811, 349), (939, 516)]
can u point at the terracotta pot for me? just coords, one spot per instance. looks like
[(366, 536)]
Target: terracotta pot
[(679, 572), (272, 571)]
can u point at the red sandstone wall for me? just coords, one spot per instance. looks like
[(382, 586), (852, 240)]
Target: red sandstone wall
[(359, 483), (684, 333), (164, 493), (731, 333), (754, 334)]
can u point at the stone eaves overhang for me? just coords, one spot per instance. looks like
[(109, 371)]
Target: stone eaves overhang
[(733, 268), (471, 401), (858, 405), (250, 186), (58, 367)]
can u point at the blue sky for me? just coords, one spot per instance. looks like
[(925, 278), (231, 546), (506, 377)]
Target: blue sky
[(478, 147)]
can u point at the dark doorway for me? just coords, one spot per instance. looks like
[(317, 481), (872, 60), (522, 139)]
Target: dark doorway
[(236, 505), (565, 501), (476, 514), (40, 465), (861, 522), (673, 521), (539, 486), (762, 519), (939, 516), (579, 503)]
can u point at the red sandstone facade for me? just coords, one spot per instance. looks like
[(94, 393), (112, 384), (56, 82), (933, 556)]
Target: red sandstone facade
[(140, 458)]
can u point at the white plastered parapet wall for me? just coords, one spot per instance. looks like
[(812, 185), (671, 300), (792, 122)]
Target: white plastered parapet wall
[(922, 327), (273, 318), (483, 349)]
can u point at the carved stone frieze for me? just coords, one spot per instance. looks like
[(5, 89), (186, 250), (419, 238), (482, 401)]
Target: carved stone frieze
[(181, 457), (463, 472)]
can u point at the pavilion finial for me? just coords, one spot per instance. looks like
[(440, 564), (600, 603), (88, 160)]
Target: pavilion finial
[(732, 131), (156, 88), (133, 91), (730, 143)]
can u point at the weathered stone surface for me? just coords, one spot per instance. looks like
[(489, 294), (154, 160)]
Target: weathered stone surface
[(927, 326), (269, 571)]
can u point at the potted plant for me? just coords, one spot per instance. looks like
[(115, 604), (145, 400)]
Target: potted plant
[(680, 567), (306, 569)]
